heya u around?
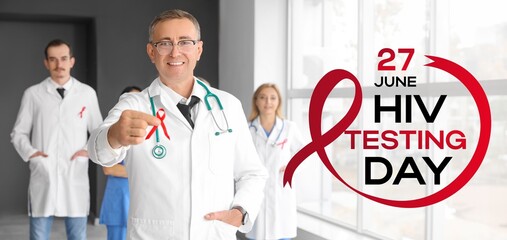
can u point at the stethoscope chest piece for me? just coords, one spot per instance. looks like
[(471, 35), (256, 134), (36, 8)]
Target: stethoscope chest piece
[(159, 151)]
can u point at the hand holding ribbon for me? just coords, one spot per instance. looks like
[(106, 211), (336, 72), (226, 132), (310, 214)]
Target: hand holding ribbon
[(160, 115), (130, 129)]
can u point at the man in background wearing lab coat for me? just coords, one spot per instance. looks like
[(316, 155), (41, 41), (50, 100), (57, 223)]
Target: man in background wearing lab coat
[(50, 134), (187, 181)]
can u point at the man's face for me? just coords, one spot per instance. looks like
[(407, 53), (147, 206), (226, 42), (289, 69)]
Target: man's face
[(178, 64), (59, 63)]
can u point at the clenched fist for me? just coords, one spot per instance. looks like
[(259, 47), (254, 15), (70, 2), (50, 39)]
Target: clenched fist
[(130, 129)]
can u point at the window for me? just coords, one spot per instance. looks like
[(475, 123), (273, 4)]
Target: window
[(324, 36), (331, 34)]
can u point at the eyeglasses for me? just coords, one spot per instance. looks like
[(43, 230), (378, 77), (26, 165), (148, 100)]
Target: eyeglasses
[(164, 47)]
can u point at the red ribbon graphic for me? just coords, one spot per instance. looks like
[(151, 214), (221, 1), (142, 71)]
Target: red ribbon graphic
[(282, 143), (319, 141), (81, 112), (319, 96), (160, 115)]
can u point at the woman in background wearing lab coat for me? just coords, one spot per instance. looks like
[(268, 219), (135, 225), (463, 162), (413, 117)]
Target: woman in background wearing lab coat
[(276, 140), (116, 201)]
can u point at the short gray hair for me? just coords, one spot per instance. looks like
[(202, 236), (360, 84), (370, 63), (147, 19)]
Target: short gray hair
[(173, 14)]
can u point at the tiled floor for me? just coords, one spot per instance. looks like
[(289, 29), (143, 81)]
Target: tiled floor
[(16, 227), (309, 227)]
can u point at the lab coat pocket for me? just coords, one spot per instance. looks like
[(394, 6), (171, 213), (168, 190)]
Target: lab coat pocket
[(221, 154), (223, 231), (79, 170), (39, 168), (36, 160), (151, 229)]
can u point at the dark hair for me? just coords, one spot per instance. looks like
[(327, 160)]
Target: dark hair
[(130, 89), (56, 43)]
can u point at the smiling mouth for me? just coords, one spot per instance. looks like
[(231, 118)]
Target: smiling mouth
[(175, 63)]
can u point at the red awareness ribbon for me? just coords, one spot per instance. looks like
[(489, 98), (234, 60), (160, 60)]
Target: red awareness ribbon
[(81, 112), (282, 143), (319, 139), (160, 115)]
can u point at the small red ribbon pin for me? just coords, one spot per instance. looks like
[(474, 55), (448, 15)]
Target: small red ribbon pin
[(161, 116), (81, 112), (282, 143)]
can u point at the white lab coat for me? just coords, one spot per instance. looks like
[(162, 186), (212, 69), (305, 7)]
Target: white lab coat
[(201, 172), (58, 127), (277, 217)]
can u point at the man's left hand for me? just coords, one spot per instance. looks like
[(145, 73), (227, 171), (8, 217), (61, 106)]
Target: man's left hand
[(232, 217), (80, 153)]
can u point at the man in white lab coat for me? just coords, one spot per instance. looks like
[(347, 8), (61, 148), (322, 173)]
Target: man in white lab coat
[(50, 134), (187, 181)]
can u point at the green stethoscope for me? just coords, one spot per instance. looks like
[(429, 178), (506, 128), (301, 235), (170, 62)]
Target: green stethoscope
[(159, 151), (275, 143), (208, 106)]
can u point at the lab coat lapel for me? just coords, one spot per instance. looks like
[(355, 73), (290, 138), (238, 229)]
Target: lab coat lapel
[(161, 99), (76, 86), (275, 131), (259, 130), (172, 110), (50, 88), (202, 111)]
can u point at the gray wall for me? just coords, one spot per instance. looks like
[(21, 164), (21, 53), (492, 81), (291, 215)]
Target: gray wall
[(237, 38), (118, 36), (253, 47)]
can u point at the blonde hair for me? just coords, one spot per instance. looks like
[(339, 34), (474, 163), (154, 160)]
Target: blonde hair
[(255, 110)]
